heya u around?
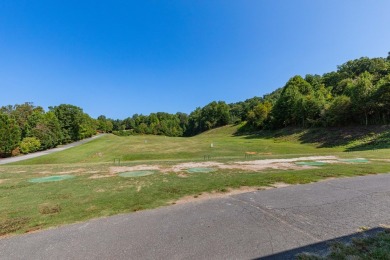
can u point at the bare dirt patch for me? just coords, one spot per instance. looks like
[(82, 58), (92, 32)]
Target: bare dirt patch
[(280, 185), (253, 165), (90, 172), (184, 166), (278, 164), (3, 180), (270, 161), (218, 194), (72, 171), (382, 160), (119, 169), (257, 165), (99, 176)]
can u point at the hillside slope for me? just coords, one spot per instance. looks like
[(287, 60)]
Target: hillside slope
[(224, 143)]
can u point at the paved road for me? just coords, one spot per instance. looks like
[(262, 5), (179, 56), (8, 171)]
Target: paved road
[(244, 226), (37, 154)]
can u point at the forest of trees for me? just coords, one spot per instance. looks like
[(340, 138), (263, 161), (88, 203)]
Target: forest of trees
[(27, 128), (357, 93)]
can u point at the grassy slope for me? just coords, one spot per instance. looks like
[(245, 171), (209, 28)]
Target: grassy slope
[(23, 204), (132, 148), (283, 143)]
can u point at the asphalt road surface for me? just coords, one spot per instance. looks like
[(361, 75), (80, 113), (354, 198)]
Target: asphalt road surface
[(274, 223), (37, 154)]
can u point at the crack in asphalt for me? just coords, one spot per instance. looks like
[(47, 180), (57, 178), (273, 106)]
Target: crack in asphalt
[(277, 218), (333, 202), (254, 217)]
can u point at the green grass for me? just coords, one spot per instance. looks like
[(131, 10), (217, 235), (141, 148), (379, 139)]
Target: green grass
[(373, 247), (134, 148), (26, 206)]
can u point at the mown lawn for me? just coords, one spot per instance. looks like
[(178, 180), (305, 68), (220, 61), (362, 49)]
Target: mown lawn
[(26, 206), (149, 147)]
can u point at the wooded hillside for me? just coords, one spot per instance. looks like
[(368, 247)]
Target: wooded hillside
[(357, 93)]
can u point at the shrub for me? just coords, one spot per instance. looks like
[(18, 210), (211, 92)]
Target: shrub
[(123, 132), (29, 145)]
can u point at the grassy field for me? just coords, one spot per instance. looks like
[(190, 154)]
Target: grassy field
[(26, 206)]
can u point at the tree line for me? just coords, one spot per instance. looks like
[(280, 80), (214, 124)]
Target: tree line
[(357, 93), (27, 128)]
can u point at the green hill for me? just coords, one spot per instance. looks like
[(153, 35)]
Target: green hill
[(226, 143)]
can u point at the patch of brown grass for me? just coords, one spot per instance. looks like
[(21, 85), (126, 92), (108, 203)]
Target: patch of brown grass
[(12, 224), (49, 208)]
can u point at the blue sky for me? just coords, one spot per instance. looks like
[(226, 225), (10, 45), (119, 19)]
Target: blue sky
[(119, 58)]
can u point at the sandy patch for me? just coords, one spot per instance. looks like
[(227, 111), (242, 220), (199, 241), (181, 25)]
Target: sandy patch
[(118, 169), (216, 194), (20, 171), (258, 165), (254, 165), (72, 171), (280, 185), (383, 160), (330, 161), (271, 161), (3, 180), (139, 188), (278, 164), (184, 166), (99, 176), (91, 172)]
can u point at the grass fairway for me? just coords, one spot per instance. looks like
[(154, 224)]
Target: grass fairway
[(97, 191), (149, 147)]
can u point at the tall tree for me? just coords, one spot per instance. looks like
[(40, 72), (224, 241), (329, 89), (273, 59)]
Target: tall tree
[(289, 107), (46, 128), (9, 134), (361, 96), (75, 125), (260, 114)]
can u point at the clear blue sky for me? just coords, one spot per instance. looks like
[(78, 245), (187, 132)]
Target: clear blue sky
[(119, 58)]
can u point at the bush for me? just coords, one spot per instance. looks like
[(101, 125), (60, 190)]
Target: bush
[(123, 132), (29, 145)]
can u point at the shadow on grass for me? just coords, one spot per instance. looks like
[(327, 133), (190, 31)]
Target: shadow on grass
[(381, 142), (365, 137), (322, 248), (251, 133)]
